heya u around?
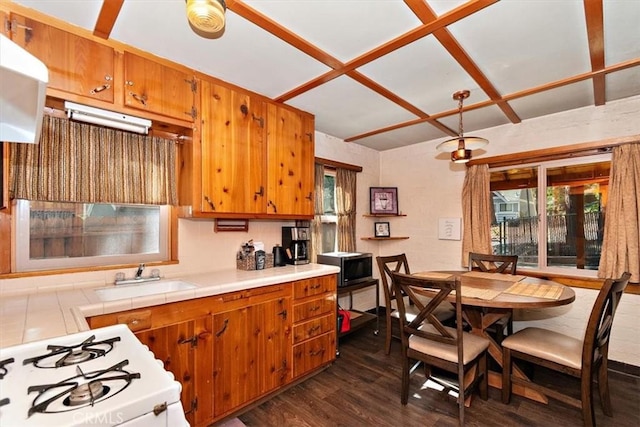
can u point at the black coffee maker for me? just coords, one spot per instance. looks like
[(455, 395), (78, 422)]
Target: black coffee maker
[(295, 241)]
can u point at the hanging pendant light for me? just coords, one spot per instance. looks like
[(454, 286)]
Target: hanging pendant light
[(461, 146), (206, 17)]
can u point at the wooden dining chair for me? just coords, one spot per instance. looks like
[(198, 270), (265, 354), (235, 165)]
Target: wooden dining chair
[(568, 355), (399, 263), (427, 340), (503, 264)]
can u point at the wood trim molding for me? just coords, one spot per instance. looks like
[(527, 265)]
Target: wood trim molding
[(563, 152), (335, 165)]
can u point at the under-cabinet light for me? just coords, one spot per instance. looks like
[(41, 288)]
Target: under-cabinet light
[(97, 116)]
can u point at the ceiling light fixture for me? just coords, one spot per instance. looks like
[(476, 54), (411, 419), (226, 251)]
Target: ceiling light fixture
[(206, 17), (461, 146)]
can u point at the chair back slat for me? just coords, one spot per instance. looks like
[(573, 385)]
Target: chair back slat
[(388, 265), (489, 263), (408, 285), (596, 340)]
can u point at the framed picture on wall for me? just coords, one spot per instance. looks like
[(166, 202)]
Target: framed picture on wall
[(381, 229), (383, 200)]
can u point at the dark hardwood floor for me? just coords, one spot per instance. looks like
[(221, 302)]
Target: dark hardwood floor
[(362, 388)]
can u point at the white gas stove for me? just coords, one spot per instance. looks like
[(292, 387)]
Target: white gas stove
[(102, 377)]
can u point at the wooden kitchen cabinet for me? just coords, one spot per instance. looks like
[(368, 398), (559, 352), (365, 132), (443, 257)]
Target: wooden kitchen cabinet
[(255, 158), (232, 150), (230, 350), (290, 161), (314, 324), (158, 88), (251, 353), (185, 349), (77, 65)]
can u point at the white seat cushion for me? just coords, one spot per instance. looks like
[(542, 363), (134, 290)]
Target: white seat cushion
[(472, 346), (548, 345)]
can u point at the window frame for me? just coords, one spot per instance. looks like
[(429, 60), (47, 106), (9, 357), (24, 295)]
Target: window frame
[(543, 166), (331, 219), (22, 264)]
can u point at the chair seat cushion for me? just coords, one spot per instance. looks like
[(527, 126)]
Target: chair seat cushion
[(472, 346), (547, 345)]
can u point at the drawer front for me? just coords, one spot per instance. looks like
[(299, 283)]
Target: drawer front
[(313, 354), (313, 328), (136, 321), (314, 286), (314, 308)]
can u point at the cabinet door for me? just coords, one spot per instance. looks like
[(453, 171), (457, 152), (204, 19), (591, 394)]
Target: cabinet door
[(250, 350), (233, 151), (154, 87), (186, 351), (76, 65), (290, 162)]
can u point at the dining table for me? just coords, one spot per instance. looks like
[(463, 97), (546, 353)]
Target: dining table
[(488, 297)]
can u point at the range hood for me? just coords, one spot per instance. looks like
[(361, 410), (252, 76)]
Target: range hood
[(23, 85)]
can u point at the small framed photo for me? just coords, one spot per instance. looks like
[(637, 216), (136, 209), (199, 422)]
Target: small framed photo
[(384, 200), (381, 229)]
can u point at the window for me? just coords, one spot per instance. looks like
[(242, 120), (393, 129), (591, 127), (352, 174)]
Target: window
[(329, 227), (63, 235), (551, 214)]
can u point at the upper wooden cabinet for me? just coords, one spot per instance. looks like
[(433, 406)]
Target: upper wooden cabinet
[(154, 87), (233, 150), (77, 65), (255, 158), (290, 161)]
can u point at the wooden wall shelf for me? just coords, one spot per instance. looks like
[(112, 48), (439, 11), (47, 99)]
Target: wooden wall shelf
[(385, 238), (382, 215)]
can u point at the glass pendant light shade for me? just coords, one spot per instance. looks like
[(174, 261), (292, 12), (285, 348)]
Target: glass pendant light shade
[(461, 146), (206, 16)]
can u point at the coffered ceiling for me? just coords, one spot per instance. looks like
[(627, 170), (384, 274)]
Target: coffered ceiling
[(381, 73)]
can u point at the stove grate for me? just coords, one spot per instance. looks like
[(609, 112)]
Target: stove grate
[(48, 395), (3, 368), (88, 349)]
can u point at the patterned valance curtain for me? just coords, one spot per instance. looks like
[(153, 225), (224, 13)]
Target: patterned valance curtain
[(78, 162), (621, 243), (346, 207), (316, 223), (476, 212)]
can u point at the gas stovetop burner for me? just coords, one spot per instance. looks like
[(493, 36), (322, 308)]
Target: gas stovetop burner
[(85, 389), (3, 369), (71, 355), (86, 393)]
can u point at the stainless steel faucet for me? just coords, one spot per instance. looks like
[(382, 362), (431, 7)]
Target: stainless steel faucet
[(139, 272), (120, 278)]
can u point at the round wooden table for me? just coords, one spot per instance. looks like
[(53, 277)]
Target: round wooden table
[(481, 313)]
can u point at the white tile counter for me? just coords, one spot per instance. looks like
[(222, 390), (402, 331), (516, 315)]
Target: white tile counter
[(36, 316)]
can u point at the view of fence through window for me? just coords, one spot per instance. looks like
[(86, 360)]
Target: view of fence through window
[(56, 234), (571, 216)]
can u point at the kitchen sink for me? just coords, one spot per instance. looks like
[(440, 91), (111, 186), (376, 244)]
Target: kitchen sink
[(113, 293)]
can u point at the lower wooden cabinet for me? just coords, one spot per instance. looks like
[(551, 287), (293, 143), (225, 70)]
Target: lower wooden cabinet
[(314, 324), (250, 350), (230, 350), (186, 351)]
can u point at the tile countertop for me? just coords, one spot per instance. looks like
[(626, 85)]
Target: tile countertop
[(42, 315)]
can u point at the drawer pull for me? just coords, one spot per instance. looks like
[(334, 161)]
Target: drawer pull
[(314, 287), (313, 329), (314, 308), (316, 353)]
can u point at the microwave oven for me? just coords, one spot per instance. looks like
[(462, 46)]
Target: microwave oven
[(355, 267)]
